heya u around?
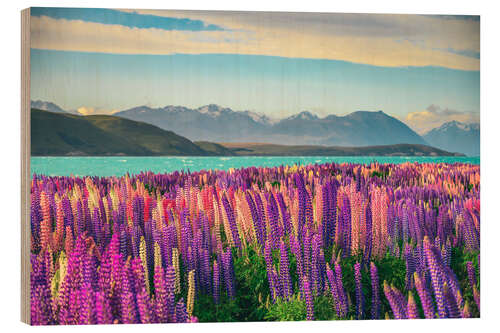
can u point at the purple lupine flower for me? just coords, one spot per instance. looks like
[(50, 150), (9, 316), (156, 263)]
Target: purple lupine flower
[(334, 291), (284, 271), (368, 243), (315, 272), (359, 291), (273, 215), (341, 291), (216, 283), (425, 296), (410, 266), (232, 221), (375, 291), (256, 219), (347, 226), (181, 315), (308, 298), (170, 295), (471, 273), (269, 268), (437, 283), (284, 214), (41, 310), (451, 304), (394, 302), (296, 250), (227, 260)]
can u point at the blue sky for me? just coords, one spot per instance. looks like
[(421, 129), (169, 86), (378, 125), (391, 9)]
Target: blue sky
[(101, 60)]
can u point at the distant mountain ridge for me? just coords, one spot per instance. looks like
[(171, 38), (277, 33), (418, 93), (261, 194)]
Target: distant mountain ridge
[(456, 136), (63, 134), (49, 106), (219, 124), (213, 123)]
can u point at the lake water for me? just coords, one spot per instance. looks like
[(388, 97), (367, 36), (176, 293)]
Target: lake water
[(117, 166)]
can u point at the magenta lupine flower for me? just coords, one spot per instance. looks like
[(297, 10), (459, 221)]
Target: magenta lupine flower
[(103, 309), (375, 291), (359, 291), (144, 307), (308, 298), (87, 306), (160, 303), (307, 253), (128, 311)]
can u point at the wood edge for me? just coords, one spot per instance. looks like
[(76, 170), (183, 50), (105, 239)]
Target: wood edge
[(25, 165)]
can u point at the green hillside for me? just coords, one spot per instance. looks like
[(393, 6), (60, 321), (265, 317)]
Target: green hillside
[(267, 149), (56, 134)]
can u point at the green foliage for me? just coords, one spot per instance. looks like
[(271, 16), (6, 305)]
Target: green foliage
[(291, 310), (253, 300), (459, 258)]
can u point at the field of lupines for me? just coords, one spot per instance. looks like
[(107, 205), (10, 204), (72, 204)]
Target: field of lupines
[(330, 241)]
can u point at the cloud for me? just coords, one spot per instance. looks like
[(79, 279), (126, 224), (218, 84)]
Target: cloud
[(434, 116), (380, 40), (89, 111), (126, 18)]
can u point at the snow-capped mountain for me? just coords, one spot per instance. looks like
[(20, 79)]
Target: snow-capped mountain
[(456, 136), (219, 124), (49, 106)]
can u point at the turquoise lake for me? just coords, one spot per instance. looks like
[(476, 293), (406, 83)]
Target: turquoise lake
[(120, 165)]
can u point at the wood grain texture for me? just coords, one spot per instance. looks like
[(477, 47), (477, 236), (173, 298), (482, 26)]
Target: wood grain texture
[(25, 166)]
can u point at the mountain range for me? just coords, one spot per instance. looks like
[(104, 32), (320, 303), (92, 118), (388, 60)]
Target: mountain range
[(213, 123), (456, 136), (64, 134)]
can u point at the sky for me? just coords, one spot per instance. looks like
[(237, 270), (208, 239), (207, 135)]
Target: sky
[(421, 69)]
